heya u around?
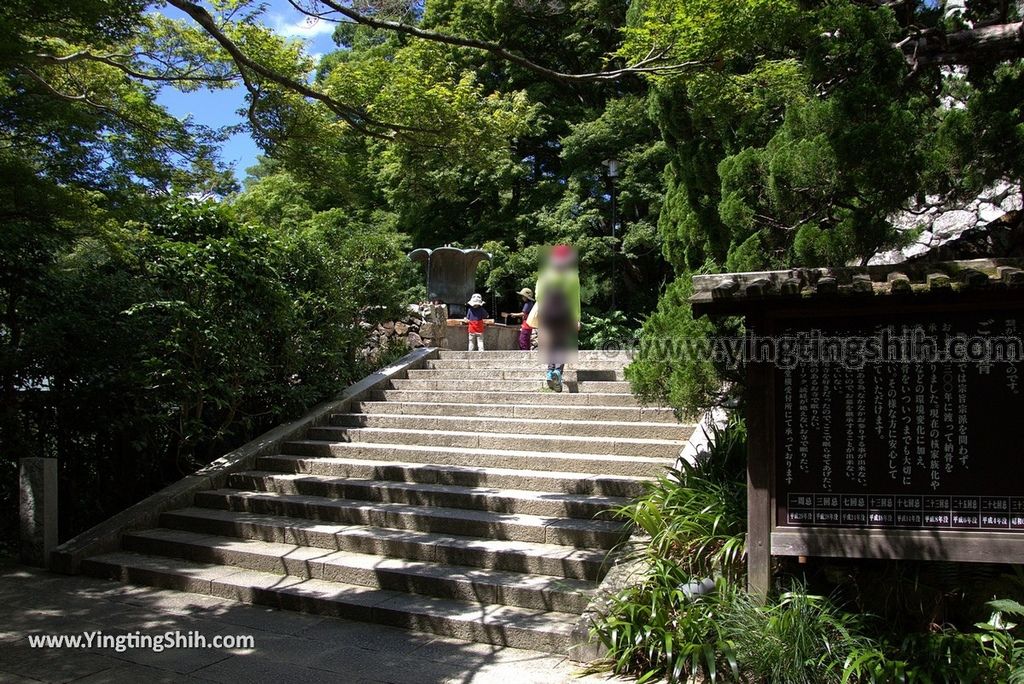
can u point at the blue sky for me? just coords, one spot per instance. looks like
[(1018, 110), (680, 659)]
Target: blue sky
[(221, 107)]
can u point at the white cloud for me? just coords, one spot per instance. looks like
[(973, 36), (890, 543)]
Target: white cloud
[(306, 27)]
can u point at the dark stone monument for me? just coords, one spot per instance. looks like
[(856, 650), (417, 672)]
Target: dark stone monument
[(885, 410), (451, 275)]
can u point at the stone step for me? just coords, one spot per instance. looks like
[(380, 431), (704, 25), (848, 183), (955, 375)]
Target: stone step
[(531, 365), (613, 356), (599, 464), (534, 426), (475, 585), (499, 373), (464, 499), (514, 556), (535, 411), (600, 534), (536, 384), (563, 444), (531, 480), (603, 386), (513, 501), (537, 396), (506, 625), (493, 374)]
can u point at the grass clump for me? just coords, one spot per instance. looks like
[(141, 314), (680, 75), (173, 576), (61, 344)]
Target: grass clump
[(688, 617), (696, 516)]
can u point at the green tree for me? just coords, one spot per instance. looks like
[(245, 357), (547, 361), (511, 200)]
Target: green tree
[(174, 339), (516, 157), (142, 337), (800, 129), (83, 140)]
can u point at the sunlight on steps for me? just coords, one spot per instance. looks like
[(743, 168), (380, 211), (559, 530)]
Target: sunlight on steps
[(463, 499)]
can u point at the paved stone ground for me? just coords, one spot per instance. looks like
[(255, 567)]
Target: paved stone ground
[(289, 647)]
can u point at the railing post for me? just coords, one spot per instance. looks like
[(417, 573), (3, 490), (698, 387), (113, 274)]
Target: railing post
[(38, 509), (760, 457)]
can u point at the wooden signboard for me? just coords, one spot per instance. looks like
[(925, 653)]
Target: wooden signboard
[(881, 426), (926, 435)]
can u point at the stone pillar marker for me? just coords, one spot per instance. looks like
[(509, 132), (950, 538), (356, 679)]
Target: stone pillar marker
[(37, 509), (438, 316)]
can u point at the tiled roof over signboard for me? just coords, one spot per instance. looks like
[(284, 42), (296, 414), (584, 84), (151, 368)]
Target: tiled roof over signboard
[(727, 293)]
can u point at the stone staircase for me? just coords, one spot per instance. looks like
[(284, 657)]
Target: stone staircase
[(463, 500)]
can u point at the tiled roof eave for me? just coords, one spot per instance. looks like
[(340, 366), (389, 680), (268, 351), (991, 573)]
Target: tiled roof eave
[(737, 293)]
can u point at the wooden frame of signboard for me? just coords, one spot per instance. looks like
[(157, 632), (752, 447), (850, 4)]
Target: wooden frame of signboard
[(766, 538)]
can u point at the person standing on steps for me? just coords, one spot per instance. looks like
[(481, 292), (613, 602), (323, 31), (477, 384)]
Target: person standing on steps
[(525, 330), (476, 314), (557, 312)]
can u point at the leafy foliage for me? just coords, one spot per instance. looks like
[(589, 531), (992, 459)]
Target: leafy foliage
[(78, 97), (661, 629), (796, 133), (610, 331), (799, 637), (693, 522), (84, 150), (994, 651), (697, 516), (168, 342), (488, 153), (678, 361), (658, 629)]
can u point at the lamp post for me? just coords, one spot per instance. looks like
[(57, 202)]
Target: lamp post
[(613, 173)]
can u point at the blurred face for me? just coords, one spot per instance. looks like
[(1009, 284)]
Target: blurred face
[(561, 259)]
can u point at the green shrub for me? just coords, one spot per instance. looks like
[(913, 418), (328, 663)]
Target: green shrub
[(170, 342), (1000, 639), (695, 522), (675, 363), (946, 655), (992, 653), (694, 525), (660, 629), (799, 638), (612, 330), (697, 515), (657, 629)]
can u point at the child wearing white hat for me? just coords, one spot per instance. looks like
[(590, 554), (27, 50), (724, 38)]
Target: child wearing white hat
[(476, 314)]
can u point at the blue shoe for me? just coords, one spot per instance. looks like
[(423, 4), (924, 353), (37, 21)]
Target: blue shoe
[(557, 380), (551, 380)]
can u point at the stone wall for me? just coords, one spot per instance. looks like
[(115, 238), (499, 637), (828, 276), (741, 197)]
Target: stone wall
[(424, 325), (497, 337)]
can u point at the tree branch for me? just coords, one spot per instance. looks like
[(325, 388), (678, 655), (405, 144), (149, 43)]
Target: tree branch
[(651, 64), (83, 98), (168, 76), (935, 47), (360, 121)]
